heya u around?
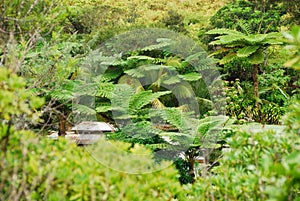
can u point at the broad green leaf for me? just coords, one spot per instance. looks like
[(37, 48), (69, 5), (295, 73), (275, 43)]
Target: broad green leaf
[(275, 35), (169, 80), (105, 108), (227, 58), (220, 51), (191, 76), (141, 57), (257, 57), (295, 63), (247, 51)]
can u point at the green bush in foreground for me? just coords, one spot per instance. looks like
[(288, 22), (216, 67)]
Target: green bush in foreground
[(42, 169), (258, 166)]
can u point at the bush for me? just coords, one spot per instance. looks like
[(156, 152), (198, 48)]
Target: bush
[(42, 169), (258, 166)]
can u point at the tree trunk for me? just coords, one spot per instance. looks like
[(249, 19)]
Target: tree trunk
[(192, 168), (62, 123), (255, 79)]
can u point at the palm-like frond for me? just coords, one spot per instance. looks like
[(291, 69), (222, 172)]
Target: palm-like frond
[(209, 129), (162, 44), (180, 120), (64, 92), (223, 31), (104, 89), (143, 98), (191, 76), (83, 109)]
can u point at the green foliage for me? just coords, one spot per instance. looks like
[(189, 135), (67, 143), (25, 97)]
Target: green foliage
[(15, 100), (259, 16), (274, 84), (143, 98), (38, 168), (258, 166), (250, 46), (269, 109), (174, 21), (292, 118), (27, 19), (294, 46)]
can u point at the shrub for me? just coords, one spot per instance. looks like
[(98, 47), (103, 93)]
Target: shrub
[(38, 168), (258, 166)]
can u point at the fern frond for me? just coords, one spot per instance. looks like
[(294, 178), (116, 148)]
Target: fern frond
[(196, 56), (247, 51), (229, 57), (244, 26), (103, 108), (104, 90), (143, 98), (169, 80), (211, 123), (120, 100), (141, 71), (227, 39), (220, 51), (156, 146), (162, 43), (64, 92), (141, 57), (191, 76), (257, 38), (223, 31), (83, 109), (176, 138), (156, 104), (110, 75), (175, 117)]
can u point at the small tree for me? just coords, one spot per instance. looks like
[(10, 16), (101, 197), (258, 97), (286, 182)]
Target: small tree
[(253, 47)]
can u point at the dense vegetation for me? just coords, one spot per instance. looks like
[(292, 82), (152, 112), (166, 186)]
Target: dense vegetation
[(204, 95)]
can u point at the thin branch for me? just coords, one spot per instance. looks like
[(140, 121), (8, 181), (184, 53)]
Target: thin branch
[(31, 7)]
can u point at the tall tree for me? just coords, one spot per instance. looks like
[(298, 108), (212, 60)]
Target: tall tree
[(253, 47)]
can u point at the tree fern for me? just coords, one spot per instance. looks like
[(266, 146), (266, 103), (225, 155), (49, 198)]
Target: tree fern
[(251, 46)]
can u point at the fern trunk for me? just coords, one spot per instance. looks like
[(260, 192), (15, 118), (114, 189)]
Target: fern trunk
[(191, 160), (255, 80), (62, 123)]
